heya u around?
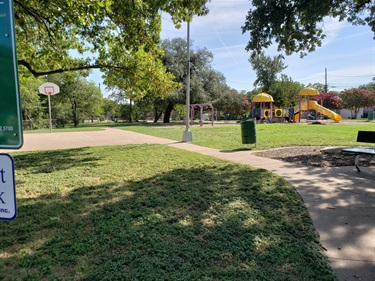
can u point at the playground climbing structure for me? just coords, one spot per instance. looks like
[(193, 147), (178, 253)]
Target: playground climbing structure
[(306, 104)]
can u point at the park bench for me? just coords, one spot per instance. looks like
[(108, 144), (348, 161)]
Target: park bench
[(363, 136)]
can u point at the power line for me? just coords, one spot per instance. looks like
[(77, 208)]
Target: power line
[(351, 75)]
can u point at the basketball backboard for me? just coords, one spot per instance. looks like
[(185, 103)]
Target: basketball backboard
[(49, 89)]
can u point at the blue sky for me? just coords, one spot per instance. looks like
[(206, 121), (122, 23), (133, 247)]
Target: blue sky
[(348, 52)]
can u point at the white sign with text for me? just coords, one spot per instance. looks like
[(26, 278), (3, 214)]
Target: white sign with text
[(7, 188)]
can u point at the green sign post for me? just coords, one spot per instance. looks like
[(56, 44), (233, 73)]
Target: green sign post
[(10, 107)]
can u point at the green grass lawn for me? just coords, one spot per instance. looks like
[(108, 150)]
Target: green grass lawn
[(151, 212), (228, 136), (267, 135)]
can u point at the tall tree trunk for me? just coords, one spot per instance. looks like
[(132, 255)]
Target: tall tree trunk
[(74, 112), (168, 112), (157, 115)]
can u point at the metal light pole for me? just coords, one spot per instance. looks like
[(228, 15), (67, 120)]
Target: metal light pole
[(187, 136)]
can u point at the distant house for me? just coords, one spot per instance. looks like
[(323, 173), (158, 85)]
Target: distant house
[(347, 114), (362, 113), (367, 110)]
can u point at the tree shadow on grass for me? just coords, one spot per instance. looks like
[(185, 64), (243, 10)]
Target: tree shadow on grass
[(54, 160), (220, 223), (181, 225), (237, 149)]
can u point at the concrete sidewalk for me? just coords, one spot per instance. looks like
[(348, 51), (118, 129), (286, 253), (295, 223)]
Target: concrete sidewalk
[(341, 201)]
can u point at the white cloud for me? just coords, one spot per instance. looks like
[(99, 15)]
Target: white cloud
[(345, 50), (332, 28), (224, 16), (354, 71), (240, 46)]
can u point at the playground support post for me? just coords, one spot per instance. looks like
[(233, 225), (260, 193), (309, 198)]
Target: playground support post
[(201, 105), (299, 109)]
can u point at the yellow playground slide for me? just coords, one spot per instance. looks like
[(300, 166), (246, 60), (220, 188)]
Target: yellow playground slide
[(321, 109), (325, 111)]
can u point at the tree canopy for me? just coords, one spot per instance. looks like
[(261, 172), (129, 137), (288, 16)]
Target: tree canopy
[(267, 69), (80, 98), (297, 26), (202, 78), (330, 100), (102, 34), (285, 91), (355, 99)]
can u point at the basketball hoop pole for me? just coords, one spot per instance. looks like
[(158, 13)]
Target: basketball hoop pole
[(50, 115), (49, 89)]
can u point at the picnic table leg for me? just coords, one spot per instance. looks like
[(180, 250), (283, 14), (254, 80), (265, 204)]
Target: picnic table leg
[(356, 162)]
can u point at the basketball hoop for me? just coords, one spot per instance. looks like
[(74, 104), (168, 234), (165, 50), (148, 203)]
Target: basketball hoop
[(49, 89)]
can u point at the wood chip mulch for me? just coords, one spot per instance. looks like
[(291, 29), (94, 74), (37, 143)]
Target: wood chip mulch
[(316, 156)]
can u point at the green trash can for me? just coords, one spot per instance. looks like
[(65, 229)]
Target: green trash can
[(371, 115), (248, 132)]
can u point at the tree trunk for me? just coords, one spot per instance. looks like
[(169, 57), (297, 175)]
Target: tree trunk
[(356, 110), (74, 112), (168, 112), (157, 115)]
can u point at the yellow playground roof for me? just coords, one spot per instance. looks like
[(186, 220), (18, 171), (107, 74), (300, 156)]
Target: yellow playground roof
[(308, 91), (262, 97)]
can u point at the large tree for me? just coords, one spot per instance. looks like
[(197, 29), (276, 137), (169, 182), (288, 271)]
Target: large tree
[(369, 86), (355, 99), (267, 69), (297, 26), (330, 100), (285, 91), (83, 97), (202, 78), (111, 109), (32, 111), (65, 35), (321, 88), (231, 102)]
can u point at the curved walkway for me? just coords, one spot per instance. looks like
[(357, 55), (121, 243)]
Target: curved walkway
[(341, 202)]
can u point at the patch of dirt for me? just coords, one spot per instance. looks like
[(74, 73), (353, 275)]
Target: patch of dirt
[(316, 156)]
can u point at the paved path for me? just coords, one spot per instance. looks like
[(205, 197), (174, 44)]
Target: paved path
[(341, 202)]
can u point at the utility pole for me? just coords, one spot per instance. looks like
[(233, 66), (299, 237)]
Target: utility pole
[(326, 84)]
